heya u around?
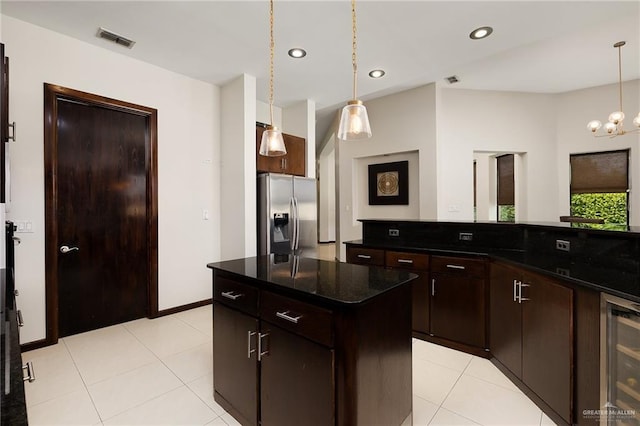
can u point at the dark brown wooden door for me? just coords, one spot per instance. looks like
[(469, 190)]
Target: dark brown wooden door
[(101, 195), (547, 342), (101, 211), (458, 308), (235, 370), (505, 321), (296, 381)]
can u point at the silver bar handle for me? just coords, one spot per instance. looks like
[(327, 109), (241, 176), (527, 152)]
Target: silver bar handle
[(285, 316), (297, 218), (515, 290), (261, 353), (292, 215), (19, 316), (13, 136), (409, 261), (364, 256), (31, 373), (455, 267), (433, 286), (520, 298), (250, 334), (230, 295), (285, 163)]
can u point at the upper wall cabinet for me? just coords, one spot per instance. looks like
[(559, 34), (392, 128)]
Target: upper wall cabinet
[(293, 163)]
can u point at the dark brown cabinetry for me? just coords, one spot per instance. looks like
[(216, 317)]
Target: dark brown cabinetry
[(280, 360), (531, 330), (292, 163), (418, 264), (458, 311)]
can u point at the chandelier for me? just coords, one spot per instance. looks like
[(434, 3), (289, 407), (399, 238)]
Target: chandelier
[(614, 127)]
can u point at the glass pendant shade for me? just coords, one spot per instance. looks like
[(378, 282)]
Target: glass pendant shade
[(610, 127), (636, 121), (616, 117), (354, 122), (594, 125), (272, 143)]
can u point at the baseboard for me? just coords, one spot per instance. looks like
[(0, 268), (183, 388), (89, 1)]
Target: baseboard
[(36, 344), (182, 308)]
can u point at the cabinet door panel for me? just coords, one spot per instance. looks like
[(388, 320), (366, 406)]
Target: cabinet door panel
[(547, 336), (505, 323), (420, 303), (235, 374), (457, 308), (297, 381), (295, 161)]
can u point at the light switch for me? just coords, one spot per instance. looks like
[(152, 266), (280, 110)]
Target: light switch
[(205, 214)]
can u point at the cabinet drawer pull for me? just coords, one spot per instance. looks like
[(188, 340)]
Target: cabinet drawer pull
[(262, 353), (31, 373), (520, 298), (12, 126), (364, 256), (250, 334), (455, 267), (409, 261), (515, 290), (285, 316), (230, 295), (433, 286), (19, 315)]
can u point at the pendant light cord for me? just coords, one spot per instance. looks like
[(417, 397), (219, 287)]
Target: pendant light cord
[(353, 48), (271, 49), (620, 74)]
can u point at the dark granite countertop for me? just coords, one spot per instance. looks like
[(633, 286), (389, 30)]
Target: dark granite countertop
[(333, 282), (621, 279)]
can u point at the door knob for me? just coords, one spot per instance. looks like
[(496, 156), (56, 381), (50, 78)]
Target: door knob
[(67, 249)]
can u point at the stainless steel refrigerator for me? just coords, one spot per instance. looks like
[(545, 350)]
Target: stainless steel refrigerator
[(287, 215)]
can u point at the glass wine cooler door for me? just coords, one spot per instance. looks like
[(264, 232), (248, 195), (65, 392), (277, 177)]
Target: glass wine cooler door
[(620, 358)]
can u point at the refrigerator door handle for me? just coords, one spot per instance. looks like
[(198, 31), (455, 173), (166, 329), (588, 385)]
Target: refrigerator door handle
[(297, 222), (292, 216)]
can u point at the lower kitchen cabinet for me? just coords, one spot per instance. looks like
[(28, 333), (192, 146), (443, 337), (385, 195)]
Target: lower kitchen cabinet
[(235, 367), (281, 361), (296, 380), (531, 329), (458, 311)]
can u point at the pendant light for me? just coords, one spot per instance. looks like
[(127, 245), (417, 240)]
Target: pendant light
[(272, 143), (614, 127), (354, 122)]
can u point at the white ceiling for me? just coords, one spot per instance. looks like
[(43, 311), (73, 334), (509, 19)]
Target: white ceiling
[(536, 46)]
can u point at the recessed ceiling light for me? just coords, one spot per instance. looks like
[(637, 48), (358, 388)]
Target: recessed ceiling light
[(297, 52), (376, 73), (480, 33)]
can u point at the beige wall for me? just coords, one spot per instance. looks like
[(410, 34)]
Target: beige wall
[(188, 158)]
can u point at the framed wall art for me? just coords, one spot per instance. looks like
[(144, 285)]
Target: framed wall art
[(389, 183)]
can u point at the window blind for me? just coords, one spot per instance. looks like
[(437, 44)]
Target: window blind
[(506, 186), (600, 172)]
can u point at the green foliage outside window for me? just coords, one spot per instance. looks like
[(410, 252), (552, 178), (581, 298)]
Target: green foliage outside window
[(612, 207), (507, 213)]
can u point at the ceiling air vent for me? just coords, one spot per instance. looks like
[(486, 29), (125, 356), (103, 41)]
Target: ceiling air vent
[(116, 38), (452, 79)]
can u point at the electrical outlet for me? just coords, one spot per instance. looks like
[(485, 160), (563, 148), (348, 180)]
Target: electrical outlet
[(394, 232), (563, 245), (465, 236)]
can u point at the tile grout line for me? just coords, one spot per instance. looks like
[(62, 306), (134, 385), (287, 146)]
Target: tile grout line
[(84, 383)]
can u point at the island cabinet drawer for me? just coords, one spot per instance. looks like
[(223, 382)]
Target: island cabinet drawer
[(301, 318), (365, 256), (236, 295), (458, 265), (413, 261)]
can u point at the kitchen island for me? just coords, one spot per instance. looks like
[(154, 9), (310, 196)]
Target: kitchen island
[(305, 341)]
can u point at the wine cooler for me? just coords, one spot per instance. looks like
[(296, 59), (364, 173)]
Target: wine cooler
[(620, 362)]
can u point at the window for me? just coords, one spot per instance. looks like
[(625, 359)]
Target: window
[(506, 189), (600, 189)]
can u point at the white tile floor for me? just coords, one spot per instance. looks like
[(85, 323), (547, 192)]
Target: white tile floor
[(159, 372)]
